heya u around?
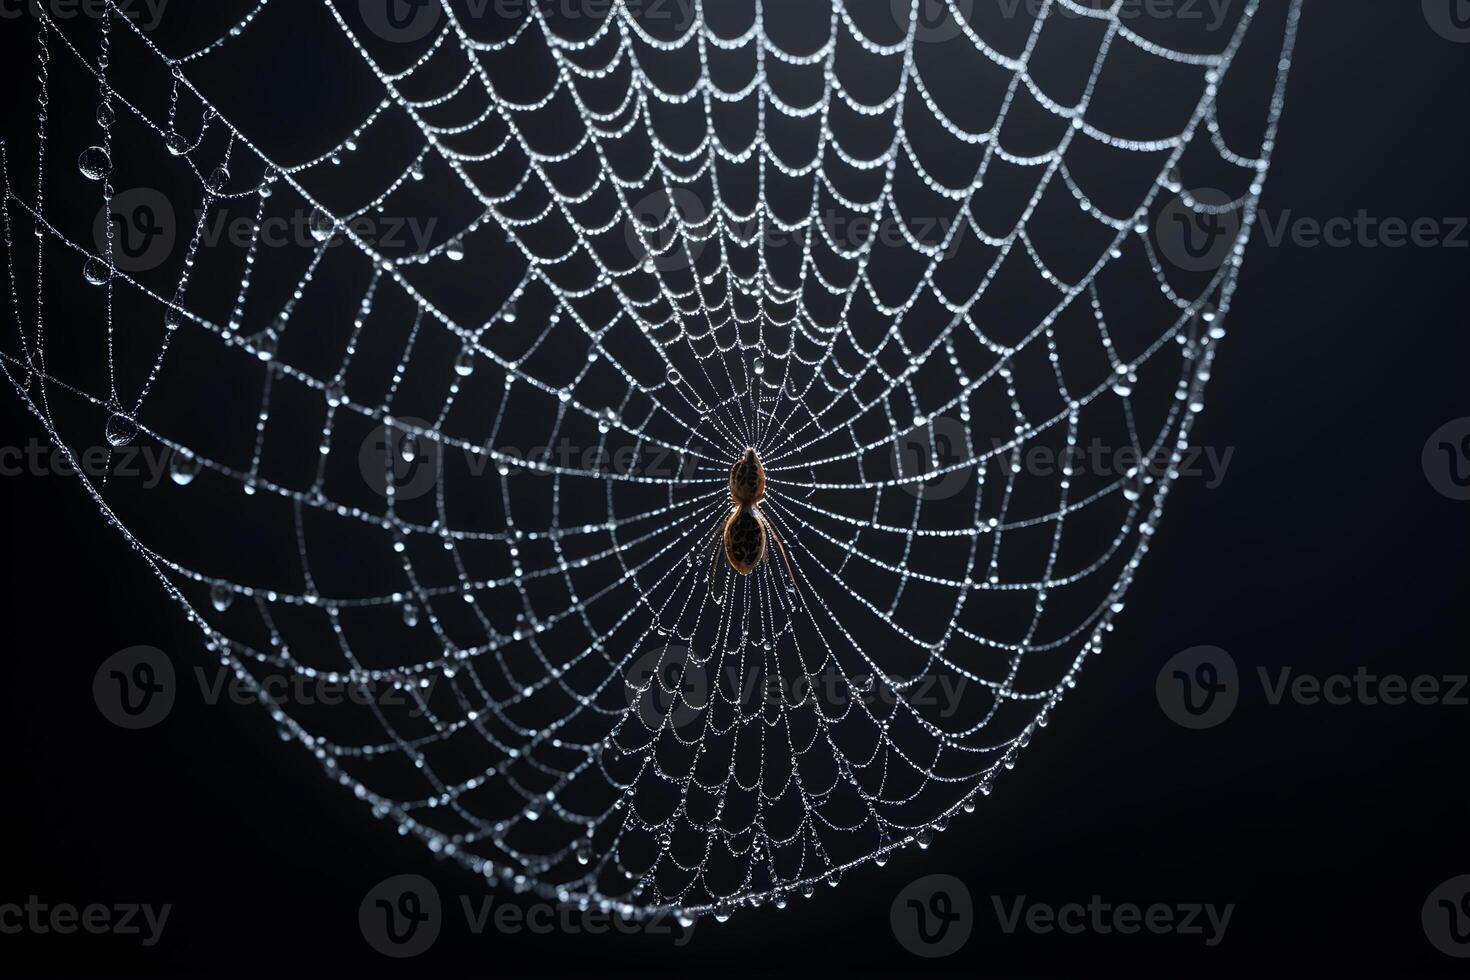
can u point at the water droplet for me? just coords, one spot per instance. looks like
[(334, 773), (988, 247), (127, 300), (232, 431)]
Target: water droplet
[(265, 346), (173, 318), (96, 272), (221, 595), (759, 367), (410, 614), (106, 116), (217, 179), (416, 171), (121, 430), (183, 468), (510, 314), (409, 448), (674, 376), (95, 163), (454, 252), (464, 365), (322, 225), (176, 144)]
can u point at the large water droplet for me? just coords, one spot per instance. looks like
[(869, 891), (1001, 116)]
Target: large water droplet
[(221, 595), (121, 430), (95, 163), (176, 144), (464, 365), (674, 376), (95, 271), (509, 315), (759, 367), (410, 614), (217, 179), (322, 225), (454, 252), (106, 116), (183, 468)]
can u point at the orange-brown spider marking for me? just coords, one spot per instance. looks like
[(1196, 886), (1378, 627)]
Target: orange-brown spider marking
[(747, 533)]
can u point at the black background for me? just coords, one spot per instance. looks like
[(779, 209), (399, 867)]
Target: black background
[(1324, 548)]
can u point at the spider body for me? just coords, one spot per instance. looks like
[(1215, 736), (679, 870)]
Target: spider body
[(745, 533)]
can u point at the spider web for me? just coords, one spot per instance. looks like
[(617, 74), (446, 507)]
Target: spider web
[(476, 477)]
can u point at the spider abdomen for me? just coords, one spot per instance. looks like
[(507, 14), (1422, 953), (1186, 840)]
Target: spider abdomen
[(745, 540)]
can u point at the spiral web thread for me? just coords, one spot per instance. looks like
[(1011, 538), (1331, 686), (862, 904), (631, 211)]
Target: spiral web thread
[(582, 709)]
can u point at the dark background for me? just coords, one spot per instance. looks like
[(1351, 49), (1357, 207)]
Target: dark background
[(1324, 548)]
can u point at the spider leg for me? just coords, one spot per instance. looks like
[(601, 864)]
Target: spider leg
[(715, 549), (781, 546)]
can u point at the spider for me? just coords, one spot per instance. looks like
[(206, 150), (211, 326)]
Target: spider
[(746, 532)]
